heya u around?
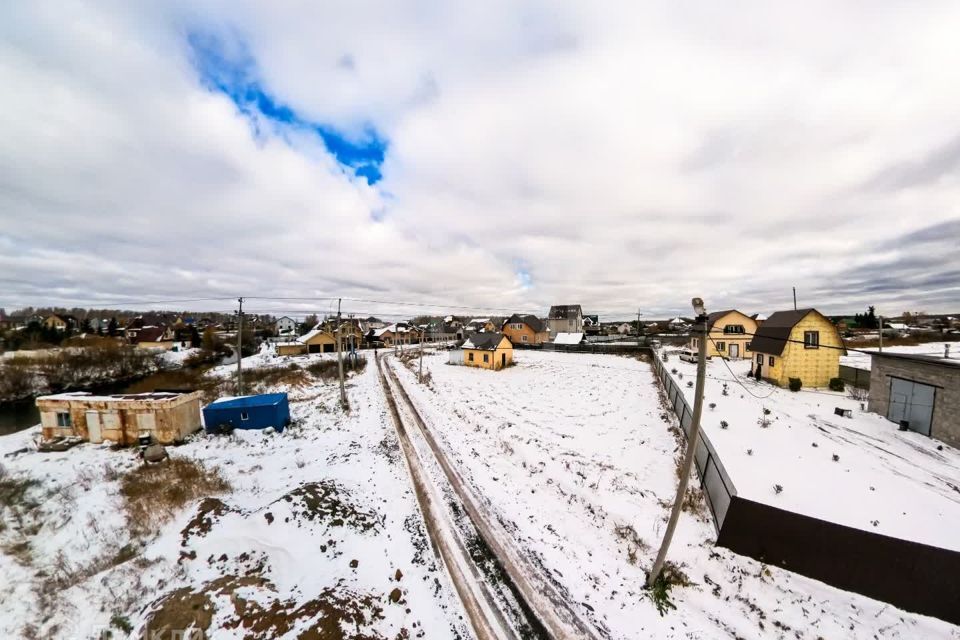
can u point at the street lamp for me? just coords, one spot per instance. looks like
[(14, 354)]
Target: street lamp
[(692, 437)]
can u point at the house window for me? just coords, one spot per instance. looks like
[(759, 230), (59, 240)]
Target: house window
[(470, 356), (523, 338), (486, 357), (696, 343), (759, 358), (770, 361), (721, 346), (244, 415), (63, 419), (811, 339), (733, 328)]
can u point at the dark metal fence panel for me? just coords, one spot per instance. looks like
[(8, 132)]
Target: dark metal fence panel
[(907, 574), (857, 377), (713, 478)]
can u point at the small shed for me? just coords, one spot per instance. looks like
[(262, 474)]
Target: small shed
[(247, 412), (168, 417)]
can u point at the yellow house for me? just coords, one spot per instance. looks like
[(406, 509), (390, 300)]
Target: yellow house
[(525, 330), (730, 333), (58, 322), (323, 340), (798, 344), (488, 351)]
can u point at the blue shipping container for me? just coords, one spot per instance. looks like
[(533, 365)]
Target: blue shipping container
[(248, 412)]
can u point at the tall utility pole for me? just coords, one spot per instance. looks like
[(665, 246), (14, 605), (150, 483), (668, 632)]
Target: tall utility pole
[(638, 327), (691, 444), (794, 298), (420, 375), (880, 320), (240, 349), (343, 392)]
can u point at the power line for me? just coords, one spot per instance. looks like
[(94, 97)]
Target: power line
[(736, 378)]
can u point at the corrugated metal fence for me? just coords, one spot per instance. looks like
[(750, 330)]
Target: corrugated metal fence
[(714, 479), (856, 377)]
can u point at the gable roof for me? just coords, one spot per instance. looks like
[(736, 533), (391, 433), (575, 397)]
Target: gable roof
[(771, 337), (568, 338), (485, 341), (565, 311), (716, 315), (150, 334), (531, 321)]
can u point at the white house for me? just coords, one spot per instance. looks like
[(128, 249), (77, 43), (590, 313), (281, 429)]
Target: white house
[(286, 325)]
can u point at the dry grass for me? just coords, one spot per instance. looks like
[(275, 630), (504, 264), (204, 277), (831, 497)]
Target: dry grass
[(328, 369), (261, 380), (154, 493)]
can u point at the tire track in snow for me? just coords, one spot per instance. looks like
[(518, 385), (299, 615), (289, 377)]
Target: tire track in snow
[(540, 594)]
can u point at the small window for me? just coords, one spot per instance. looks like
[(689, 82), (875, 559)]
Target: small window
[(770, 361), (721, 346), (486, 357), (811, 339), (523, 338), (63, 419), (470, 356), (759, 358), (244, 415), (733, 328)]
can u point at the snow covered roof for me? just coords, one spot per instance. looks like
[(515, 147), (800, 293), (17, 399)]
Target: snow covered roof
[(677, 320), (568, 338), (310, 334), (897, 325), (479, 321), (565, 312)]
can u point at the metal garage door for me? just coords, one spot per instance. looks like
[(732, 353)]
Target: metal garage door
[(911, 402)]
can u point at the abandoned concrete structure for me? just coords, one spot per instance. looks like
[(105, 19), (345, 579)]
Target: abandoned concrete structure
[(167, 417)]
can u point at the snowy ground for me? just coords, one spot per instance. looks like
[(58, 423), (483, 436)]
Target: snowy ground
[(321, 528), (860, 360), (897, 483), (571, 454)]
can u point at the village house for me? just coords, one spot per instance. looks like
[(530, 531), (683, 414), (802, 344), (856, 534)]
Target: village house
[(154, 338), (60, 322), (591, 324), (565, 318), (322, 338), (485, 350), (395, 334), (525, 329), (801, 344), (167, 417), (625, 328), (728, 335), (286, 326), (678, 324), (918, 392)]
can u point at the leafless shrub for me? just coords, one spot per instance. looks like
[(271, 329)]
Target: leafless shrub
[(858, 394), (154, 493)]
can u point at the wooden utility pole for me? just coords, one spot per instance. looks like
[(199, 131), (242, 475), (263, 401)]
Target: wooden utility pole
[(240, 348), (794, 298), (880, 319), (691, 445), (420, 375), (343, 391), (638, 327)]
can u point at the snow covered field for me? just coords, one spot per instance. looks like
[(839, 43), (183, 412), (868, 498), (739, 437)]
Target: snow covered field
[(860, 360), (570, 453), (321, 530), (861, 471)]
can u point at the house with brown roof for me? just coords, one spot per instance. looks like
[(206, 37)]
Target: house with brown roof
[(728, 335), (159, 337), (525, 329), (801, 344), (565, 318), (487, 350)]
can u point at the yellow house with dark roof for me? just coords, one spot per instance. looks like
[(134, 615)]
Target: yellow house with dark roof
[(800, 344), (488, 351), (728, 335)]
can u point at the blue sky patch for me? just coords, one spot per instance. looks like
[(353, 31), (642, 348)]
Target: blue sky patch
[(229, 68)]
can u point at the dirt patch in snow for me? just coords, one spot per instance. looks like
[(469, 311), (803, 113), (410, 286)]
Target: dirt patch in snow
[(329, 502), (250, 605)]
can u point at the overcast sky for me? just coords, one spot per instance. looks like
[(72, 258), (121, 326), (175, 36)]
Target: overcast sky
[(496, 155)]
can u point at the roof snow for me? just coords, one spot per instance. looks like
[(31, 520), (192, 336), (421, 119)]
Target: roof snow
[(568, 338)]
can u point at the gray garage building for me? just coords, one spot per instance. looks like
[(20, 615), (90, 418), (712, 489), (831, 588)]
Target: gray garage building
[(921, 393)]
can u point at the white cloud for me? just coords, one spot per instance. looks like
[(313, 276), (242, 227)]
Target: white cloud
[(622, 155)]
